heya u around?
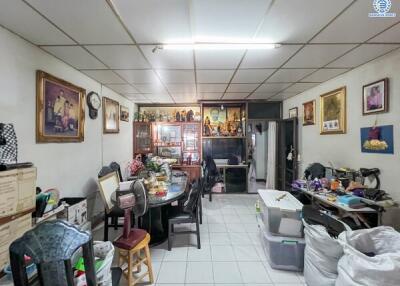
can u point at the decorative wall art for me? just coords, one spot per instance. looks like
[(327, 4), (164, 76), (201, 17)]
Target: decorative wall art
[(293, 112), (309, 113), (124, 113), (377, 139), (60, 110), (110, 116), (333, 112), (376, 97)]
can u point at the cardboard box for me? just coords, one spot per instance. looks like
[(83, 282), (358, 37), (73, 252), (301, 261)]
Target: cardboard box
[(75, 210)]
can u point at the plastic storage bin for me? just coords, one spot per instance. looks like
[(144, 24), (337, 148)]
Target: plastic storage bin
[(281, 213), (285, 253)]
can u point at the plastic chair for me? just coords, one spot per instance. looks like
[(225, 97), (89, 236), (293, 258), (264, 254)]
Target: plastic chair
[(51, 246)]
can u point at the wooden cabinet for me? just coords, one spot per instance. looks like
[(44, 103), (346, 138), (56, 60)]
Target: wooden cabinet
[(193, 171), (142, 138)]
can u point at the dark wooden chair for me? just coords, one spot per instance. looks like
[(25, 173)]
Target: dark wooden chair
[(51, 246), (188, 213)]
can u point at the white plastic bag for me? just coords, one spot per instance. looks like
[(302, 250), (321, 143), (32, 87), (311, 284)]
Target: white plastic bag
[(356, 268), (321, 256)]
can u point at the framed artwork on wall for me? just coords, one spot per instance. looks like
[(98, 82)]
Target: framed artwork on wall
[(293, 112), (60, 110), (333, 112), (377, 139), (376, 97), (309, 113), (110, 116), (124, 113)]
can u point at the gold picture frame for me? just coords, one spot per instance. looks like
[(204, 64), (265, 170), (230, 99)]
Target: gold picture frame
[(110, 115), (309, 113), (333, 112), (60, 110)]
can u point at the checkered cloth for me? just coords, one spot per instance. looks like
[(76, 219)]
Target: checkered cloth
[(9, 151)]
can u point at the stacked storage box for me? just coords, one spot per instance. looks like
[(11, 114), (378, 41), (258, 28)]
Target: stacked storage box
[(281, 229)]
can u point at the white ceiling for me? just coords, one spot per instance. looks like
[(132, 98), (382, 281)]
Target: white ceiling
[(112, 41)]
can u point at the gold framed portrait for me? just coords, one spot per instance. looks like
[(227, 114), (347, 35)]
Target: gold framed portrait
[(60, 110), (333, 112), (309, 113)]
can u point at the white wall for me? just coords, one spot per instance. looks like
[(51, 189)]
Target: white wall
[(70, 167), (345, 150)]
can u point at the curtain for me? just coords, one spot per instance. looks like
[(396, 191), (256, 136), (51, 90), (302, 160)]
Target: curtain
[(271, 161)]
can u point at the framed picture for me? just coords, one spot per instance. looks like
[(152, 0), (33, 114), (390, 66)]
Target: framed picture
[(333, 112), (376, 97), (124, 113), (60, 110), (309, 113), (293, 112), (377, 139), (110, 116)]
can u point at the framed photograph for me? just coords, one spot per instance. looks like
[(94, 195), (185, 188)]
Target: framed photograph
[(110, 116), (293, 112), (333, 112), (377, 139), (309, 113), (60, 110), (124, 113), (376, 97)]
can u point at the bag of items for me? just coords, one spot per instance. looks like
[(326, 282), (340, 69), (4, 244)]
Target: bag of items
[(371, 257), (8, 144)]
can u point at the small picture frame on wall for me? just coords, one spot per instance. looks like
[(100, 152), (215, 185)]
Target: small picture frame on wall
[(293, 112), (309, 113), (124, 113), (376, 97), (110, 116), (60, 110)]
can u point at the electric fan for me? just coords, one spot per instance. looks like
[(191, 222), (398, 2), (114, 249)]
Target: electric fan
[(134, 199)]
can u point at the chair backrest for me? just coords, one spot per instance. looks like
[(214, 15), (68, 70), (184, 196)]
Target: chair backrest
[(51, 246), (116, 168), (191, 202), (211, 167), (105, 171)]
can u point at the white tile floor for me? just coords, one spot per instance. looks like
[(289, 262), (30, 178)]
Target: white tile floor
[(230, 254)]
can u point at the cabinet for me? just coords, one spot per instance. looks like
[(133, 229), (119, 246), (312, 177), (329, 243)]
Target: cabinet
[(142, 134)]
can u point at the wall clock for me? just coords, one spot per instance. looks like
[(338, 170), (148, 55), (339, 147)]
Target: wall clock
[(94, 104)]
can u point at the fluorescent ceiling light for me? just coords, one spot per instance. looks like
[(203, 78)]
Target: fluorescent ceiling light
[(220, 46)]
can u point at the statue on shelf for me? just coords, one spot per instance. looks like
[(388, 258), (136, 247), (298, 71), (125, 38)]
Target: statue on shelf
[(207, 127)]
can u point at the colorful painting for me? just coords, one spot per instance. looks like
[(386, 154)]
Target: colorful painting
[(124, 113), (60, 110), (309, 113), (376, 97), (377, 139), (110, 116), (333, 112)]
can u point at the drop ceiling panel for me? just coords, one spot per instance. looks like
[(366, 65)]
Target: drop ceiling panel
[(137, 97), (88, 22), (283, 96), (181, 88), (211, 95), (151, 88), (272, 87), (315, 56), (214, 76), (252, 75), (156, 21), (235, 95), (268, 58), (176, 76), (227, 18), (299, 24), (119, 56), (265, 95), (160, 98), (104, 76), (289, 75), (218, 59), (211, 87), (354, 25), (123, 88), (242, 87), (138, 76), (300, 87), (30, 25), (324, 75), (75, 56), (362, 54), (184, 98), (390, 36), (169, 59)]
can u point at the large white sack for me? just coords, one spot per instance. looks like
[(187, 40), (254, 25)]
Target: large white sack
[(357, 269), (314, 275)]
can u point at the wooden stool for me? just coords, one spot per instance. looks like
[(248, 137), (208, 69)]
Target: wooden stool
[(134, 259)]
